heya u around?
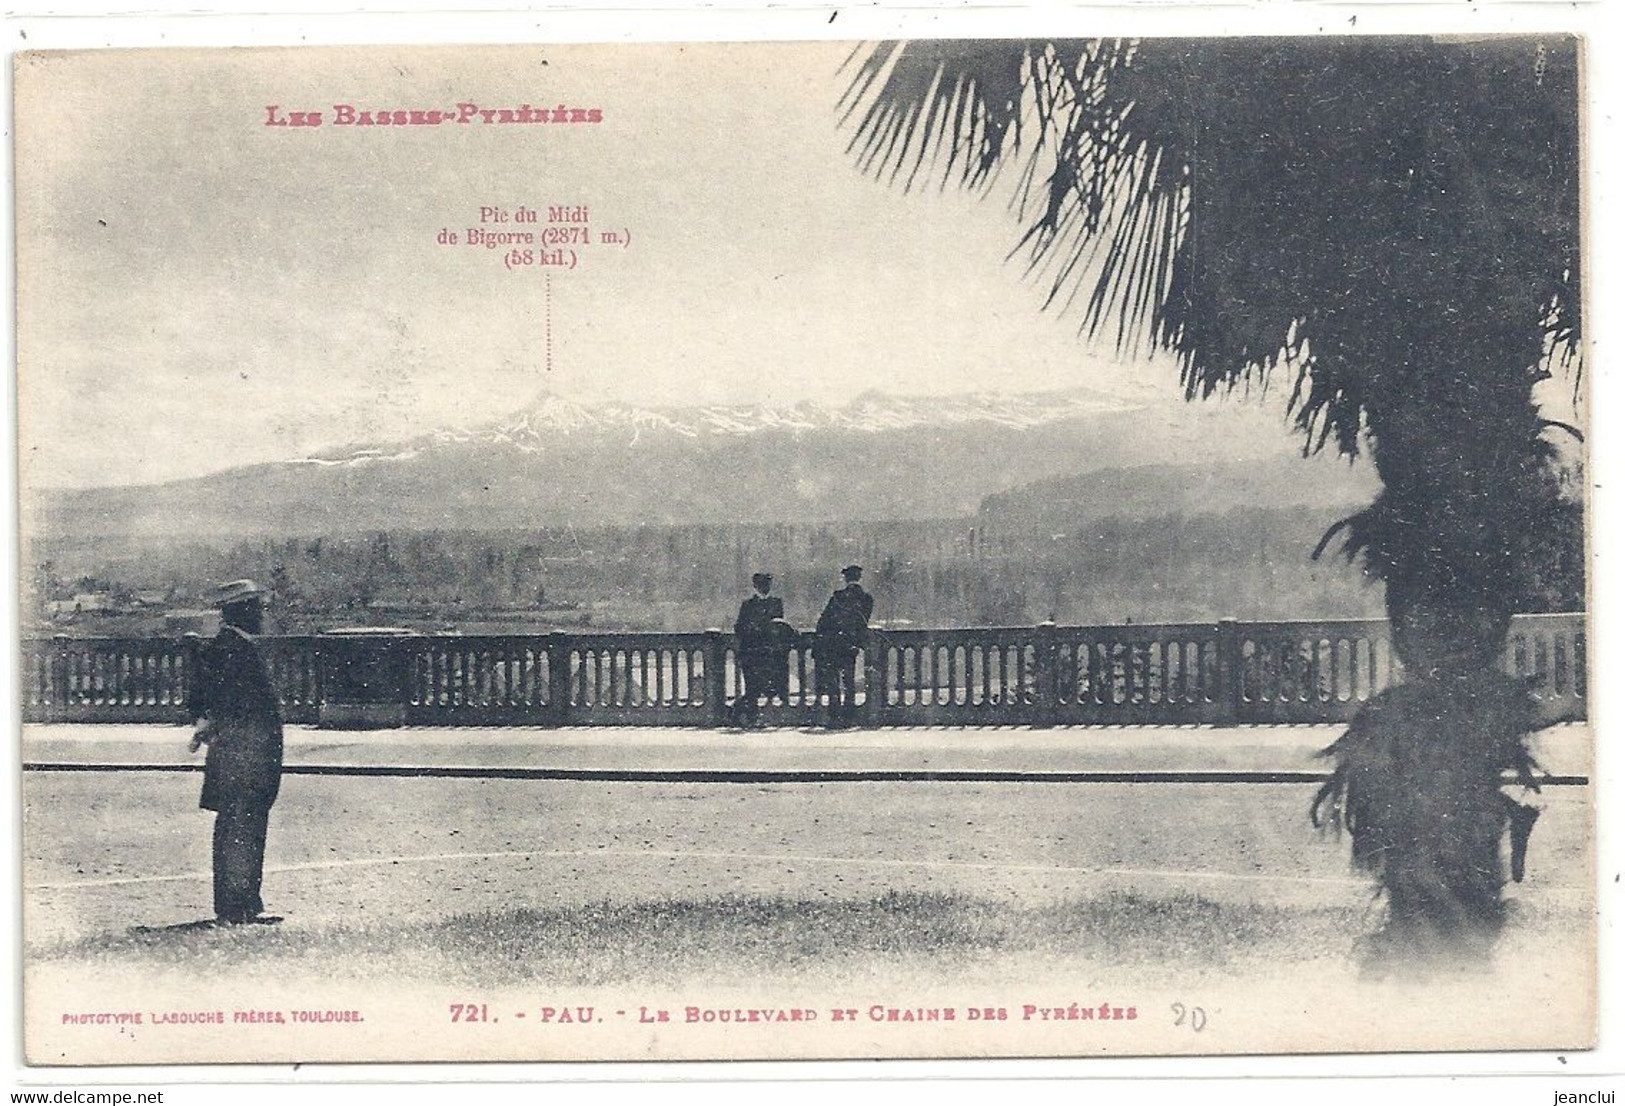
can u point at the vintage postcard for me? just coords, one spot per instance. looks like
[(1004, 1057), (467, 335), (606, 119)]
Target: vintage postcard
[(937, 548)]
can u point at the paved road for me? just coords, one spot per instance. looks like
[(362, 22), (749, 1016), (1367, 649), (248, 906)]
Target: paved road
[(104, 851), (1564, 749)]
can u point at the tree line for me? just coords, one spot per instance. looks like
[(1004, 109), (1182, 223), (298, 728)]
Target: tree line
[(1248, 562)]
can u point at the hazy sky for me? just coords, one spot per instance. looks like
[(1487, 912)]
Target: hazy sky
[(200, 290)]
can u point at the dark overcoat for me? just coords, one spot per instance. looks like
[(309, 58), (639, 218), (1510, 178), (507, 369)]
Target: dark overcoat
[(844, 624), (232, 689), (754, 626)]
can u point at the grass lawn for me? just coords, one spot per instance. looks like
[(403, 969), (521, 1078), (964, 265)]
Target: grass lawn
[(734, 938)]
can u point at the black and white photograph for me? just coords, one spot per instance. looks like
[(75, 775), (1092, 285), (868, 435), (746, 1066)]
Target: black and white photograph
[(922, 548)]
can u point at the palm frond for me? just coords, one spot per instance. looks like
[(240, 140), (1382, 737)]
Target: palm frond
[(925, 101), (1233, 200)]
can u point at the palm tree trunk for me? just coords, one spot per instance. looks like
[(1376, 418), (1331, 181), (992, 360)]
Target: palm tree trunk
[(1419, 772), (1421, 769)]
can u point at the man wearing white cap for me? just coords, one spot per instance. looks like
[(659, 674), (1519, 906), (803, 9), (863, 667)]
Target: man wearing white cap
[(241, 716)]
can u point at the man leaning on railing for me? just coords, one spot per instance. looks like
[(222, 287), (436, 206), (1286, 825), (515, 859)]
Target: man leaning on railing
[(843, 629)]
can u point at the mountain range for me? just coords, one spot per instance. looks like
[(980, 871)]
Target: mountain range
[(559, 462)]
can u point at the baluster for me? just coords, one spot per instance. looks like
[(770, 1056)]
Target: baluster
[(74, 676), (1579, 650), (37, 695), (809, 676), (34, 691), (59, 677)]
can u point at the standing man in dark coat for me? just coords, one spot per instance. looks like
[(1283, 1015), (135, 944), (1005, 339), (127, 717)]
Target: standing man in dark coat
[(843, 629), (759, 647), (233, 697)]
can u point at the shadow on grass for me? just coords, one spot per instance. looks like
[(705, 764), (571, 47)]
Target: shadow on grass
[(178, 927), (746, 936)]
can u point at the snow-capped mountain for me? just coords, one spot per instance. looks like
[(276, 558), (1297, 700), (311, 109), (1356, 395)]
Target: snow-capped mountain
[(551, 420), (562, 462)]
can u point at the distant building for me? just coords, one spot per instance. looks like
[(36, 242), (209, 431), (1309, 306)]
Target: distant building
[(201, 621), (84, 602)]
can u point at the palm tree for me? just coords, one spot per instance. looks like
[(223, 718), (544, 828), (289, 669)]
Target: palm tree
[(1388, 226)]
